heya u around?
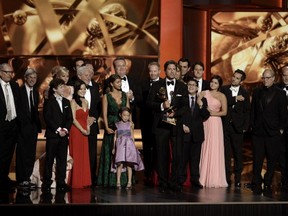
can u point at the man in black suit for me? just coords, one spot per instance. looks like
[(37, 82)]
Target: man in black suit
[(193, 137), (168, 99), (268, 119), (129, 86), (283, 159), (58, 118), (9, 114), (146, 122), (85, 73), (30, 126), (198, 71), (235, 123)]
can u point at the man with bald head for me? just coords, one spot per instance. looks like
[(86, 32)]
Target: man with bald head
[(268, 120)]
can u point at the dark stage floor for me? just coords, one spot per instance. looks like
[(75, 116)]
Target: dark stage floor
[(144, 200)]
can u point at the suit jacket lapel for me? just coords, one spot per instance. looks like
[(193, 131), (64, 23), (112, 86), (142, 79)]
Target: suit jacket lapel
[(2, 97)]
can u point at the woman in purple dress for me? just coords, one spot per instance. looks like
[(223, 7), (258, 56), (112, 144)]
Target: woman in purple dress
[(126, 155)]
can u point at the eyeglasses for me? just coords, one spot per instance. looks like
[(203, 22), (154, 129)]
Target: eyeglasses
[(191, 84), (7, 72), (264, 78)]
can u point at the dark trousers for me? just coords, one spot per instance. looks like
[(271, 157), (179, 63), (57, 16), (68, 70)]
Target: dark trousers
[(190, 155), (26, 152), (233, 145), (283, 159), (55, 148), (269, 147), (8, 139), (92, 139), (148, 142), (163, 140)]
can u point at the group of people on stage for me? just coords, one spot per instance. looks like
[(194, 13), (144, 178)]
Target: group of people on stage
[(190, 127)]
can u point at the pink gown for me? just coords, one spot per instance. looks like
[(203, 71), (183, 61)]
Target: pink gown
[(79, 150), (212, 161)]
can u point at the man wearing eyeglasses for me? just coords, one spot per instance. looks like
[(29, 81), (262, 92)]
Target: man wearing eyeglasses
[(268, 119), (9, 97)]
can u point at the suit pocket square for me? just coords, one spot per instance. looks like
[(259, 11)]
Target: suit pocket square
[(178, 95), (66, 107)]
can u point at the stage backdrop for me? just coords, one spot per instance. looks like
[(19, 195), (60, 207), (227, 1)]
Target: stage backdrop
[(248, 40), (79, 27)]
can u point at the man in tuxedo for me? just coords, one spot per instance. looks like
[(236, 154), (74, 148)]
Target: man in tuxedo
[(30, 126), (268, 119), (283, 159), (235, 123), (193, 128), (58, 118), (185, 66), (129, 86), (92, 95), (168, 98), (198, 71), (146, 121), (9, 114)]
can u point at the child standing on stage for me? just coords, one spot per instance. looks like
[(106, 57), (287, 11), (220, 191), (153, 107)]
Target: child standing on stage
[(126, 155)]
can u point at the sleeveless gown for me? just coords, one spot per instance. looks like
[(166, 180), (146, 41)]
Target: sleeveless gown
[(212, 161), (105, 177), (79, 150)]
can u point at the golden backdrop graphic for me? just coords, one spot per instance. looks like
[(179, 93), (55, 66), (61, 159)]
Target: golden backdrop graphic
[(250, 41), (79, 27)]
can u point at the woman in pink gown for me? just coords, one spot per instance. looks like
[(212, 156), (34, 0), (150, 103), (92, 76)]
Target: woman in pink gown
[(212, 161), (78, 139)]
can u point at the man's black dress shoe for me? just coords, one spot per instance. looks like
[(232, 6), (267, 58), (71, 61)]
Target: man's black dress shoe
[(237, 184), (250, 185), (197, 185), (257, 189)]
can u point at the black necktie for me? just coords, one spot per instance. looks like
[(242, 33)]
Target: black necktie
[(192, 104), (123, 78), (88, 87), (32, 107), (170, 82)]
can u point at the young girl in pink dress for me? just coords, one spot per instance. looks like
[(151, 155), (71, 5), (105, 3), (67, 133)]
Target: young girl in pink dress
[(126, 155)]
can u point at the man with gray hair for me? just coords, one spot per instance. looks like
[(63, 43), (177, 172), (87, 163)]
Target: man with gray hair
[(85, 73), (9, 111), (268, 119), (30, 126)]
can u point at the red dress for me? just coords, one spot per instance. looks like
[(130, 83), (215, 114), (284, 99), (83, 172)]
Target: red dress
[(79, 151)]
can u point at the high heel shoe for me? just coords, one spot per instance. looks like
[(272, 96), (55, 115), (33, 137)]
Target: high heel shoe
[(129, 186), (118, 186)]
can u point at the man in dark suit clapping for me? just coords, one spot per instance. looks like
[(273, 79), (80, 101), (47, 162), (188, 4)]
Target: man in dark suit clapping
[(235, 123), (30, 126), (268, 120), (168, 99), (9, 114)]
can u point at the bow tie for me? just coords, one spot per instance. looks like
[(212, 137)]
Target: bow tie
[(59, 98), (123, 78), (170, 82), (88, 87), (233, 89), (285, 87), (152, 81)]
